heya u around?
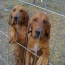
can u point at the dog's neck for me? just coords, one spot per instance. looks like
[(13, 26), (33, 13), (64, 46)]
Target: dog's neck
[(36, 45)]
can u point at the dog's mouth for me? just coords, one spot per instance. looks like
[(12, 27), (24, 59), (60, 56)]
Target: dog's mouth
[(37, 36), (14, 21)]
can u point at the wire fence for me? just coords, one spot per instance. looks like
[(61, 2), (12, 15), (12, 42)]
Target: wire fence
[(55, 10), (52, 5)]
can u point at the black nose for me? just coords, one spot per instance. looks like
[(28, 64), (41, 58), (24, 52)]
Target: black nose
[(37, 32), (15, 18)]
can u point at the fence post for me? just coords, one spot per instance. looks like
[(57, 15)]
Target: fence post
[(64, 8), (34, 2), (45, 3)]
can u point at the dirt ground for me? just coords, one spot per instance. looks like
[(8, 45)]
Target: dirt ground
[(57, 38)]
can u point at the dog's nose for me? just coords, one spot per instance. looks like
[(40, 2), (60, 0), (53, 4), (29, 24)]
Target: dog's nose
[(15, 18), (37, 32)]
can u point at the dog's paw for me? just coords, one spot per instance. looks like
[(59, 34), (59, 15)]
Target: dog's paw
[(12, 41), (42, 61)]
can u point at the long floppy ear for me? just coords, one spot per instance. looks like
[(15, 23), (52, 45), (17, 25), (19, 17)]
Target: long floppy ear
[(10, 19), (26, 18), (47, 32), (29, 26)]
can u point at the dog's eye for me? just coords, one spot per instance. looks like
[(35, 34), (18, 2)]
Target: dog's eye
[(21, 11), (14, 10), (44, 22), (35, 20)]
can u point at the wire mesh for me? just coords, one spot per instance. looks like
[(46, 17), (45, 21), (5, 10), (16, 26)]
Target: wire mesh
[(57, 19)]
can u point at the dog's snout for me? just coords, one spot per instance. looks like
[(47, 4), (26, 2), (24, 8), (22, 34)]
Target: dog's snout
[(37, 32), (15, 18)]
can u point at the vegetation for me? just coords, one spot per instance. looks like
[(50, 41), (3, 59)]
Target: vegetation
[(57, 38)]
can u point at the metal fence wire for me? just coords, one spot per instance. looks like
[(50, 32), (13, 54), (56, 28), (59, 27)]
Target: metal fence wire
[(56, 12)]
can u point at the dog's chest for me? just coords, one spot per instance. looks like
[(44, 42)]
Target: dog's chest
[(33, 44), (36, 47), (21, 34)]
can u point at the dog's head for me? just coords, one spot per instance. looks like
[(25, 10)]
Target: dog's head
[(39, 25), (18, 15)]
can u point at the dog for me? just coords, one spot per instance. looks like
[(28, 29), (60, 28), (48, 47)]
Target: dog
[(18, 21), (38, 40)]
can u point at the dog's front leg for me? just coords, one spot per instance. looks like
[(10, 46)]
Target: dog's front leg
[(27, 60), (12, 35), (44, 59)]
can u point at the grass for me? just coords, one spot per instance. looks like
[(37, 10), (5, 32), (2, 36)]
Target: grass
[(57, 38)]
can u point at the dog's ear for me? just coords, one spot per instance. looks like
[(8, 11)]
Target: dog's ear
[(47, 31), (30, 26), (10, 19), (26, 18)]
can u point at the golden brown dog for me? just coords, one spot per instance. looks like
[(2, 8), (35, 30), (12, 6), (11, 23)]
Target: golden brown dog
[(38, 39), (18, 21)]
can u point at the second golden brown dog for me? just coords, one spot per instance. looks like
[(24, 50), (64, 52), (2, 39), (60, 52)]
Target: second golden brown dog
[(40, 29), (18, 22)]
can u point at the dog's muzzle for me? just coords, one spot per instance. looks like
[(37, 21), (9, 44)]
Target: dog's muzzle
[(15, 19), (37, 33)]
